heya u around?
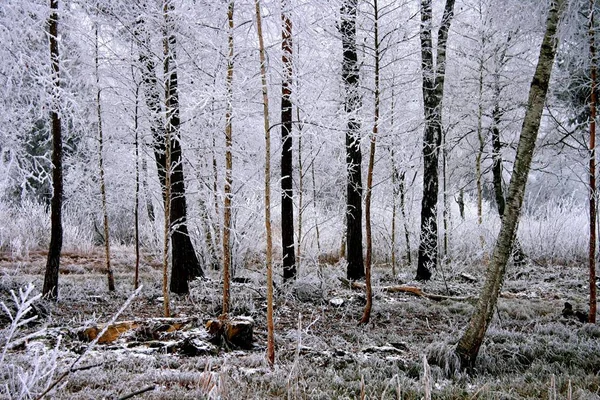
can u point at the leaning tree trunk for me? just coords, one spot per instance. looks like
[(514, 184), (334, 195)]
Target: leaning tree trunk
[(433, 92), (593, 193), (287, 204), (470, 343), (50, 288), (352, 103)]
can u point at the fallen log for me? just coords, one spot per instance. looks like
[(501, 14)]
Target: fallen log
[(405, 289), (150, 329)]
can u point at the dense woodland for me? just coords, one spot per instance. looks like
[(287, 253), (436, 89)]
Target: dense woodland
[(420, 147)]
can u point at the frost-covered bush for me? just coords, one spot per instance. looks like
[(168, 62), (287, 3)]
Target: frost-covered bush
[(24, 377)]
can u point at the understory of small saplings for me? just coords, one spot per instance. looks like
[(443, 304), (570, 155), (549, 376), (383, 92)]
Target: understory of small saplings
[(531, 350)]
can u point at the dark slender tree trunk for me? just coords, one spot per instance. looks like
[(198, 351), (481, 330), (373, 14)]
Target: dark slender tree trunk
[(470, 343), (287, 204), (593, 192), (518, 253), (352, 104), (136, 210), (369, 236), (105, 224), (50, 288), (433, 91)]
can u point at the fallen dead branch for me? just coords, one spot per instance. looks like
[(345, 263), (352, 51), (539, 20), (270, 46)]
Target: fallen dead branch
[(405, 289), (137, 393)]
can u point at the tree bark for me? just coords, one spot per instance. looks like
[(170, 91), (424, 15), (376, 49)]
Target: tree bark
[(433, 91), (518, 254), (368, 260), (470, 343), (136, 209), (109, 271), (228, 165), (593, 192), (287, 205), (269, 256), (185, 264), (50, 288), (352, 103)]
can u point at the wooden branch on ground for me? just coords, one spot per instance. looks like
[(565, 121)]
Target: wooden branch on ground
[(405, 289), (142, 391)]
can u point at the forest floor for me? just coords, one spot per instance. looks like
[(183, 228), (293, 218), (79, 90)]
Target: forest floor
[(531, 349)]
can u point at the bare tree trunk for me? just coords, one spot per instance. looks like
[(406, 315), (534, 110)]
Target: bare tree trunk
[(300, 189), (287, 204), (394, 182), (394, 206), (169, 130), (185, 262), (352, 103), (481, 141), (470, 343), (433, 92), (593, 193), (518, 253), (446, 212), (368, 260), (50, 289), (402, 190), (461, 203), (109, 271), (136, 210), (314, 189), (149, 205), (228, 165), (185, 265), (269, 256)]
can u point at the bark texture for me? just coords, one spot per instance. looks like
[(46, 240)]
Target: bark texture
[(109, 271), (470, 343), (433, 92), (185, 264), (593, 192), (497, 113), (50, 289), (368, 260), (287, 204), (352, 104), (228, 165), (269, 256)]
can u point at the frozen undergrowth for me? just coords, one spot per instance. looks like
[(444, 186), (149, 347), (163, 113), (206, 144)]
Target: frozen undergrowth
[(321, 352)]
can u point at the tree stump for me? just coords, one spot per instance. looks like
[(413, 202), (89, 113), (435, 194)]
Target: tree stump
[(236, 332)]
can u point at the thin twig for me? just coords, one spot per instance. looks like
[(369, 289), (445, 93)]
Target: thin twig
[(141, 391)]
